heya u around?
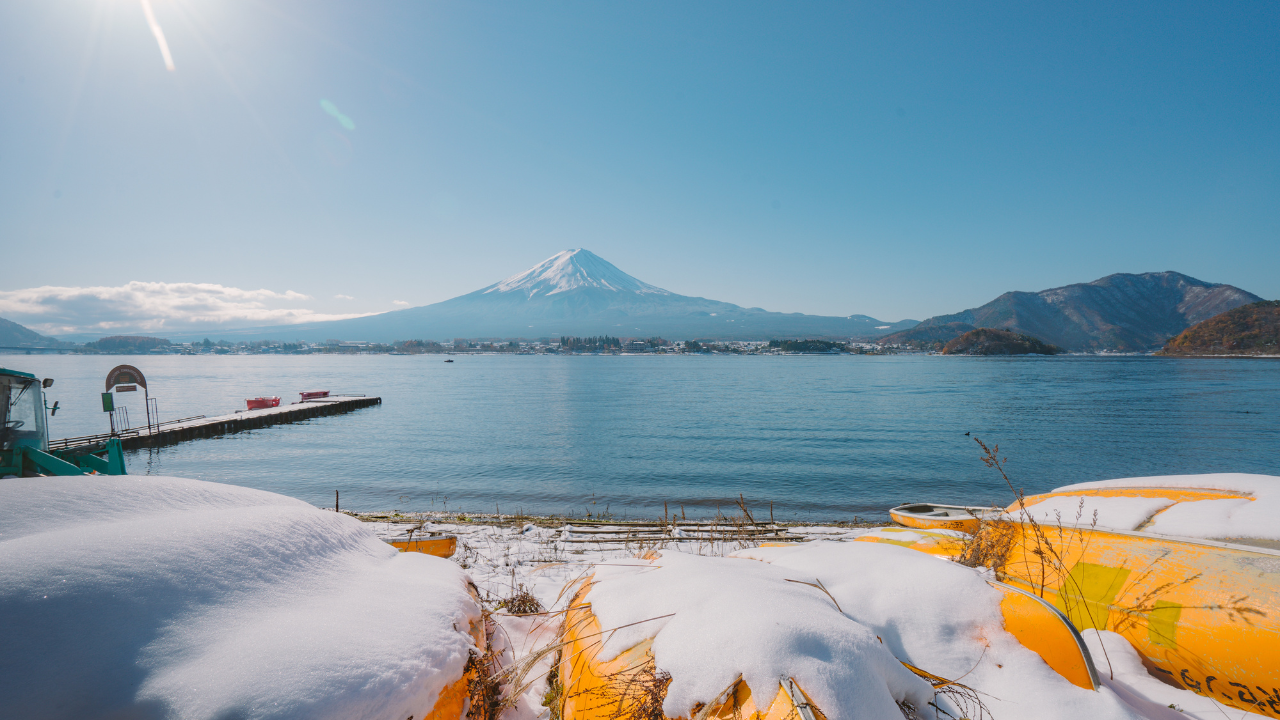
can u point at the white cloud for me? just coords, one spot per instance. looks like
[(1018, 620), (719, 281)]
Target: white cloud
[(399, 302), (343, 297), (154, 307)]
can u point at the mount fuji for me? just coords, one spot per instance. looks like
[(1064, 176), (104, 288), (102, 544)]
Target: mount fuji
[(576, 292)]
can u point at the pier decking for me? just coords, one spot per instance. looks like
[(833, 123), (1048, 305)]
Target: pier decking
[(175, 431)]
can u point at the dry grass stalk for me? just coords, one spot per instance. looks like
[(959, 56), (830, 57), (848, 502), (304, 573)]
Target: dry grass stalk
[(962, 697), (417, 527), (553, 698), (484, 688), (1050, 566), (818, 584), (1053, 569), (636, 693)]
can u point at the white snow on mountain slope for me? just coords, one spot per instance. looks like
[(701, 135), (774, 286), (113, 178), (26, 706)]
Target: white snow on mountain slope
[(569, 270)]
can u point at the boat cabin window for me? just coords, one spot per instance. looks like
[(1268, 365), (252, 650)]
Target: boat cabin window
[(22, 413)]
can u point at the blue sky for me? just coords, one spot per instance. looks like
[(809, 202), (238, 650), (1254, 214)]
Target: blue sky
[(893, 159)]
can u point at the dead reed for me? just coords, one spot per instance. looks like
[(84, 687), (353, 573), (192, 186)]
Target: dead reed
[(962, 697), (636, 693), (990, 545), (520, 602), (484, 670)]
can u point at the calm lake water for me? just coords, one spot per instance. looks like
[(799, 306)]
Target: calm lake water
[(819, 437)]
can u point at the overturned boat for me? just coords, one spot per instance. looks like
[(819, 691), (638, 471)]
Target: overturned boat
[(1184, 567)]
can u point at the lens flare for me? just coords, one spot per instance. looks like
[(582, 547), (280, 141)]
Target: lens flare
[(332, 109), (155, 30)]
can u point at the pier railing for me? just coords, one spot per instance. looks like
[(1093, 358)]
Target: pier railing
[(198, 426)]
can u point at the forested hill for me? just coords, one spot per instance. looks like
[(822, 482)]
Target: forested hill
[(1248, 330), (989, 341)]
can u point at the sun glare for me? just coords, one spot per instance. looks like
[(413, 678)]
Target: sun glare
[(159, 33)]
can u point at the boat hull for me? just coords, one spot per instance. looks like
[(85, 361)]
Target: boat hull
[(441, 546), (1044, 630), (1205, 615), (926, 517)]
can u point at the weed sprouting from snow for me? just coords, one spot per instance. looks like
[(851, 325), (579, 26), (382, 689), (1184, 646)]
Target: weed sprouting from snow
[(961, 697), (521, 602), (989, 546), (636, 693)]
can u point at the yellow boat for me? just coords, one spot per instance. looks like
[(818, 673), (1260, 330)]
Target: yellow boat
[(1176, 494), (453, 702), (934, 542), (1044, 630), (630, 686), (439, 545), (1204, 614), (931, 516)]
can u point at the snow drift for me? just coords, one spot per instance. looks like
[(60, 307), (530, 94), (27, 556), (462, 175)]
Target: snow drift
[(148, 597), (736, 615), (1211, 519)]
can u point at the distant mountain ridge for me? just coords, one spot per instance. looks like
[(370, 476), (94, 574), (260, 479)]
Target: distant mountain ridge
[(576, 292), (14, 335), (1123, 312)]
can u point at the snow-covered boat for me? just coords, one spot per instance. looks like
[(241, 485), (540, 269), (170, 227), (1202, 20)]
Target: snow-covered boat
[(1205, 614), (1186, 568), (932, 516), (629, 685)]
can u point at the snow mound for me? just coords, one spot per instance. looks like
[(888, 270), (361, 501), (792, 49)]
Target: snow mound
[(941, 617), (569, 270), (171, 598), (1119, 513), (734, 616), (1215, 519)]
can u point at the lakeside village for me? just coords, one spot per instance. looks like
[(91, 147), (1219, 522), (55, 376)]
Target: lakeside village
[(600, 345)]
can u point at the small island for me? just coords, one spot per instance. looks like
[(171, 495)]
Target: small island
[(990, 341), (1252, 329)]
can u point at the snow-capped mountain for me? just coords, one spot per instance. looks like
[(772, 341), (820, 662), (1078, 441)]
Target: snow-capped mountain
[(569, 270), (576, 292)]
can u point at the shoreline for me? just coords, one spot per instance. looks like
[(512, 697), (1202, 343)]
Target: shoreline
[(555, 522)]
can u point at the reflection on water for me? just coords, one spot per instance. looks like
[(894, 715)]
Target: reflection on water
[(819, 437)]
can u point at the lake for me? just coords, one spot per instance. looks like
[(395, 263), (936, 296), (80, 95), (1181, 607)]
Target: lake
[(819, 437)]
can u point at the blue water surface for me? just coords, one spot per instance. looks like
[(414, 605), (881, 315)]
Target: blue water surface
[(816, 437)]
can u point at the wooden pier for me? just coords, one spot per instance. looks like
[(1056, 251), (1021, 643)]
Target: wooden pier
[(176, 431)]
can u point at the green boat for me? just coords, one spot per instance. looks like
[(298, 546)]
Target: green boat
[(24, 435)]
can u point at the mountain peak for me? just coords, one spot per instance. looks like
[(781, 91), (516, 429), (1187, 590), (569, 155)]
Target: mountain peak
[(570, 270)]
